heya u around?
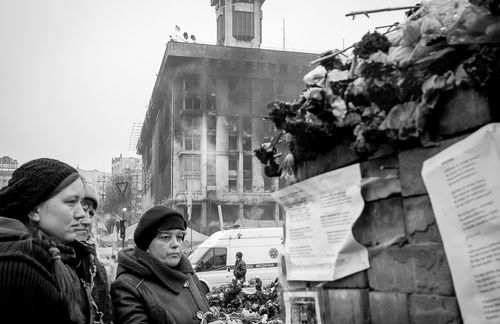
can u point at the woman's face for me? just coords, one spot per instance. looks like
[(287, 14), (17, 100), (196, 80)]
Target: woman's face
[(60, 215), (85, 229), (167, 246)]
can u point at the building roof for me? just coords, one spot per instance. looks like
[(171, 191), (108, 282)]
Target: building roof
[(217, 52)]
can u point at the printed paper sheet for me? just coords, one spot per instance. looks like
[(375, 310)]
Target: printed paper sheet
[(463, 183), (320, 213)]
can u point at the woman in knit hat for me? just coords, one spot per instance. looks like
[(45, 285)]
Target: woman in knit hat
[(155, 282), (89, 269), (40, 211)]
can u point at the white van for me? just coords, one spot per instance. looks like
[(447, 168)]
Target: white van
[(214, 259)]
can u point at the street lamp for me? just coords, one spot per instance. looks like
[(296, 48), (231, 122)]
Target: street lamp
[(122, 227)]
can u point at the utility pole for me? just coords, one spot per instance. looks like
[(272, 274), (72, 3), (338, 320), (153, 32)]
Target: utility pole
[(283, 34)]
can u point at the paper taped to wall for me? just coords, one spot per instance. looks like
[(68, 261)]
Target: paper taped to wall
[(320, 214), (464, 188)]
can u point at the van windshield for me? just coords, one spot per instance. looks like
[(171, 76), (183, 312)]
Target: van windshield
[(197, 254)]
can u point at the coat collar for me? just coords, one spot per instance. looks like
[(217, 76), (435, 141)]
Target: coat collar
[(143, 264)]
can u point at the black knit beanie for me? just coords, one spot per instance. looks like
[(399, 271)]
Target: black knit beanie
[(155, 219), (31, 184)]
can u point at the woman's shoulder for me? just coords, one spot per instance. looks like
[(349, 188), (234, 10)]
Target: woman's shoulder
[(23, 253), (22, 266), (129, 277)]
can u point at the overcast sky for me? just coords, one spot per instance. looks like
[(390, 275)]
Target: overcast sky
[(76, 74)]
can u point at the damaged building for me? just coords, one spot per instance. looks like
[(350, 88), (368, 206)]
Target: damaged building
[(205, 117)]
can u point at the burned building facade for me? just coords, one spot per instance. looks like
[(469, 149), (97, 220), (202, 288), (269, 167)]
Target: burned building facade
[(205, 118)]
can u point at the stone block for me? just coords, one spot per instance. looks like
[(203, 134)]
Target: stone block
[(411, 269), (383, 150), (380, 221), (385, 175), (410, 166), (388, 307), (426, 309), (464, 109), (357, 280), (341, 155), (346, 306), (420, 221)]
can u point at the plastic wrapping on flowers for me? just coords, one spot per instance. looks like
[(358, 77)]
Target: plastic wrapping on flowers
[(390, 89)]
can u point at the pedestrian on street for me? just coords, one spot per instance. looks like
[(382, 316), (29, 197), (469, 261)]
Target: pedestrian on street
[(89, 269), (240, 268), (41, 211), (155, 281)]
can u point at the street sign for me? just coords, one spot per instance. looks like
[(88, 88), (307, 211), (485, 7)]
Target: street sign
[(122, 187)]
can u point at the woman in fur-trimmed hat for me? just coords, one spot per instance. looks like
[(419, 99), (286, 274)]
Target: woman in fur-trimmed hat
[(155, 282), (40, 211)]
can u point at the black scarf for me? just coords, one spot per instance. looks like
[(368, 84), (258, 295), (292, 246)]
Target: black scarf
[(172, 278)]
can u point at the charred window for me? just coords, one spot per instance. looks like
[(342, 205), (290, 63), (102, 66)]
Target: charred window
[(268, 130), (211, 140), (233, 142), (192, 133), (211, 170), (247, 144), (192, 142), (211, 95), (247, 126), (247, 134), (211, 132), (211, 123), (233, 126), (191, 164), (243, 25), (233, 161), (233, 132), (191, 86), (247, 173), (191, 178)]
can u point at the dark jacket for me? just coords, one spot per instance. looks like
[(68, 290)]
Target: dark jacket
[(240, 269), (93, 276), (147, 291), (29, 292)]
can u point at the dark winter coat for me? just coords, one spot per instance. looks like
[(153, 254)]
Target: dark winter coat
[(147, 291), (29, 292), (240, 270), (94, 278)]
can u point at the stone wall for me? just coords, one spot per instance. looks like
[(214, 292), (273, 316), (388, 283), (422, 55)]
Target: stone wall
[(409, 280)]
